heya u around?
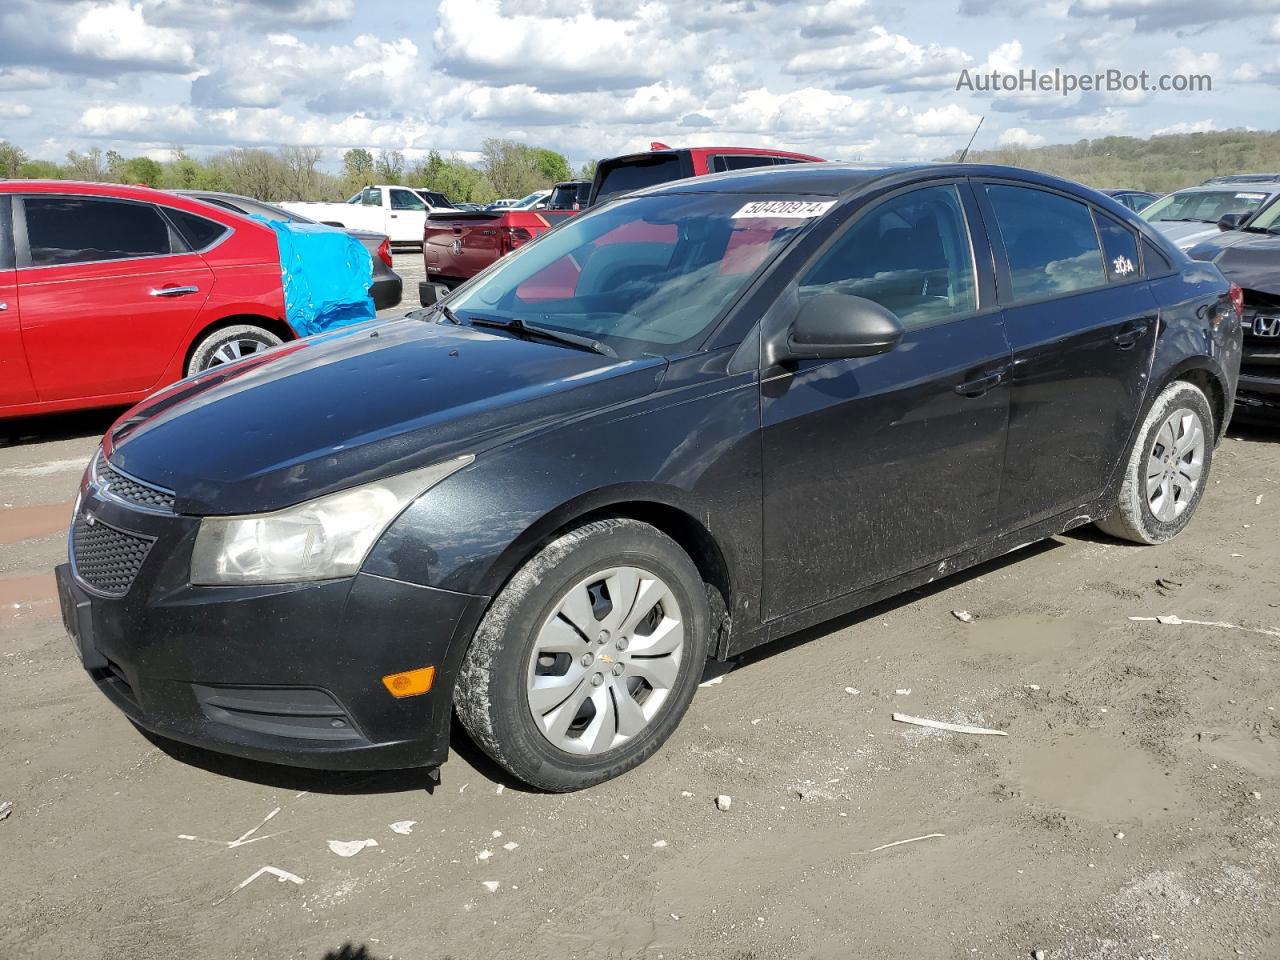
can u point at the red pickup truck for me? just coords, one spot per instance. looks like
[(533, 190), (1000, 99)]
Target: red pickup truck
[(457, 246)]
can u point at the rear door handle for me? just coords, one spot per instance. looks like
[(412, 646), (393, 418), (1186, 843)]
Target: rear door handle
[(1131, 334), (980, 385), (173, 291)]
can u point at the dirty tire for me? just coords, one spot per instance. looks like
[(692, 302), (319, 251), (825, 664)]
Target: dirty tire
[(1133, 518), (207, 351), (491, 697)]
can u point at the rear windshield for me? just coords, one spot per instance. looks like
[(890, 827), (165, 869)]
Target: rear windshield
[(644, 275), (636, 173), (1207, 206)]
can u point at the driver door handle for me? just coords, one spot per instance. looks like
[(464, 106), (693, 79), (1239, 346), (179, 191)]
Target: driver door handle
[(173, 291), (980, 385), (1132, 333)]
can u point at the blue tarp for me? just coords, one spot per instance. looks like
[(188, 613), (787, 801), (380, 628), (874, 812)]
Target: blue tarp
[(326, 276)]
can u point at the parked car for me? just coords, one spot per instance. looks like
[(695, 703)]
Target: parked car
[(661, 164), (434, 199), (569, 195), (500, 204), (399, 212), (387, 287), (108, 292), (792, 392), (1248, 254), (1133, 199), (1188, 216), (456, 248), (458, 245)]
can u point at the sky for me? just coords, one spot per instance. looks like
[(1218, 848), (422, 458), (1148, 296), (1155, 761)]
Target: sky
[(842, 79)]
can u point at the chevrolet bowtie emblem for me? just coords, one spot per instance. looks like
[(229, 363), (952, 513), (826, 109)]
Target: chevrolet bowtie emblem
[(605, 658)]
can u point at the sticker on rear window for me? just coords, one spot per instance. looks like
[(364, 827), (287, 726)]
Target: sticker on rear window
[(786, 209), (1251, 196)]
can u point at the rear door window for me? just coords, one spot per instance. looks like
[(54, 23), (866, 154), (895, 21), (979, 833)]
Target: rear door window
[(911, 254), (1050, 242), (1119, 248), (63, 230)]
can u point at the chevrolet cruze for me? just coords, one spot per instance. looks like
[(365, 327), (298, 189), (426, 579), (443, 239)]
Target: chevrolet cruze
[(683, 424)]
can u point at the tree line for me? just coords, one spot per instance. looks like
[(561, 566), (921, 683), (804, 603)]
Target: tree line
[(506, 169), (1159, 164)]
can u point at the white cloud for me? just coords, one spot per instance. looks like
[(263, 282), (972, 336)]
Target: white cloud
[(883, 59), (1172, 14), (1020, 137), (25, 78), (478, 40), (14, 110), (1188, 126), (118, 31)]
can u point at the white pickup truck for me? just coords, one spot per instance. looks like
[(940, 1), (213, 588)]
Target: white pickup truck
[(399, 212)]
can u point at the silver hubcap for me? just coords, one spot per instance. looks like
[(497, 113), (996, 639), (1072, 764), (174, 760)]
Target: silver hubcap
[(1174, 464), (234, 350), (606, 660)]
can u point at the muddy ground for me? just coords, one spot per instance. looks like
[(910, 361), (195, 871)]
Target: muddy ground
[(1133, 810)]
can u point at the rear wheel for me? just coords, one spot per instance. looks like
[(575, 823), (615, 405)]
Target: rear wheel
[(587, 660), (1167, 469), (230, 344)]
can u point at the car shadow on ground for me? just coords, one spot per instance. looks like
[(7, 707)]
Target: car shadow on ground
[(1258, 431), (50, 427), (469, 757), (350, 951)]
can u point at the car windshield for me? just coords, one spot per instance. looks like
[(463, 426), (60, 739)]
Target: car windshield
[(1208, 206), (1268, 219), (643, 275)]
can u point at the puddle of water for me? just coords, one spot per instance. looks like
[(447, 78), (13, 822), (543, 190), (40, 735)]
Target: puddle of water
[(1027, 636), (1258, 755), (1096, 778)]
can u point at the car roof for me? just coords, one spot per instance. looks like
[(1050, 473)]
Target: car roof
[(1223, 186), (1244, 178), (839, 179), (120, 191)]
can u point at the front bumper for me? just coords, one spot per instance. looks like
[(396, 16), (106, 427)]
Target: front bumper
[(287, 673)]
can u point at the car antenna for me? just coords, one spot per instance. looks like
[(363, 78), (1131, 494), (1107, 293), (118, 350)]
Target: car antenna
[(965, 152)]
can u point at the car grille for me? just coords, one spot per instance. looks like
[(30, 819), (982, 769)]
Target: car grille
[(123, 487), (105, 558)]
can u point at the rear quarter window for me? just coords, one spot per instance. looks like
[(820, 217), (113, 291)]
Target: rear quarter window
[(6, 234), (1119, 249), (199, 233), (64, 230)]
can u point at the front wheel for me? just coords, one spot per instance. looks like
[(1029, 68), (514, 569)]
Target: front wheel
[(1167, 468), (586, 661)]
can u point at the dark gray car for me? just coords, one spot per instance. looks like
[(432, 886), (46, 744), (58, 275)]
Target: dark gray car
[(386, 288)]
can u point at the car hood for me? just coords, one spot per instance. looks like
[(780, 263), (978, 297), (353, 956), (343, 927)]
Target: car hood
[(1251, 260), (1185, 234), (359, 404)]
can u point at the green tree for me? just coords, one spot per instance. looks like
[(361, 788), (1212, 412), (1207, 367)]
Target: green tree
[(389, 167), (12, 158), (553, 166), (89, 165), (140, 170), (357, 168), (588, 170)]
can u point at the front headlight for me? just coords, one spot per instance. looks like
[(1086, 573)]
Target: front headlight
[(321, 539)]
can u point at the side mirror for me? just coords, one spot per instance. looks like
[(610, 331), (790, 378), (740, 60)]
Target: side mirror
[(429, 294), (1232, 221), (838, 326)]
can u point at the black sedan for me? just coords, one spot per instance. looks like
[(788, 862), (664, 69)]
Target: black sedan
[(386, 289), (685, 423)]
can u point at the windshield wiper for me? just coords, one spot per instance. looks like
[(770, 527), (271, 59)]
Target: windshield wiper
[(446, 311), (517, 325)]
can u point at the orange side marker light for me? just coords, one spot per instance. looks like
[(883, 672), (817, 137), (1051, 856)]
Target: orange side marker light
[(411, 683)]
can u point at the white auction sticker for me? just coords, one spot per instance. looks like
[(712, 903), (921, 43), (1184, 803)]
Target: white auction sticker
[(785, 209), (1251, 196)]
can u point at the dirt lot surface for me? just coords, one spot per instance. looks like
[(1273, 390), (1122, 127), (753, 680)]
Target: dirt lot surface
[(1133, 810)]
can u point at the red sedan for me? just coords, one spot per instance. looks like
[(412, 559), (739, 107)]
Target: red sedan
[(108, 292)]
